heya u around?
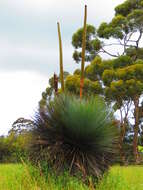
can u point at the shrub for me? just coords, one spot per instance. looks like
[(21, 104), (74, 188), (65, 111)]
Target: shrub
[(75, 134)]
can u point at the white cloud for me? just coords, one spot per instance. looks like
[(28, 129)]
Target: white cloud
[(19, 97), (28, 35), (63, 10)]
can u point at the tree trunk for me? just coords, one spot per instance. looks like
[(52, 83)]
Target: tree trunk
[(136, 130), (122, 135)]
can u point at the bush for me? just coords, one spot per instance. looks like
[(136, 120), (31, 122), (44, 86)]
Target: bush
[(13, 148), (74, 134)]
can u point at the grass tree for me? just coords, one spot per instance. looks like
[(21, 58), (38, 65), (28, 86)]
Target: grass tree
[(77, 135)]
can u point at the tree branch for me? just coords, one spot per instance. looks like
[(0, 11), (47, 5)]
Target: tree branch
[(139, 38), (104, 51)]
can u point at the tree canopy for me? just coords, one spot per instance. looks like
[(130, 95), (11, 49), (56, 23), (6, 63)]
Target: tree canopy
[(124, 32)]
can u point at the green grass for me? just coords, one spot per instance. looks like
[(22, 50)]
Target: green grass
[(123, 178), (23, 177), (140, 148)]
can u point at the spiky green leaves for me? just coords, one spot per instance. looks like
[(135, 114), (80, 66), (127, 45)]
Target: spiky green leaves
[(77, 135)]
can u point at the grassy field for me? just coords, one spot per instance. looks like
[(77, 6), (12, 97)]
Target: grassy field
[(23, 177)]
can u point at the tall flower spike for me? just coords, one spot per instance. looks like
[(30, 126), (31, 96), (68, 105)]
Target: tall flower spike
[(61, 58), (83, 52)]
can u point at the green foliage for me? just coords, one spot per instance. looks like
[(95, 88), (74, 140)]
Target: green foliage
[(92, 87), (122, 61), (134, 88), (124, 90), (132, 11), (96, 68), (124, 8), (102, 30), (12, 149), (77, 37), (131, 72), (4, 149), (77, 72), (97, 44), (92, 70), (75, 134), (72, 85), (113, 29), (93, 44), (125, 73), (46, 95), (108, 76), (118, 20), (135, 53), (123, 83), (126, 28), (116, 91), (119, 76), (111, 72), (136, 19), (129, 5)]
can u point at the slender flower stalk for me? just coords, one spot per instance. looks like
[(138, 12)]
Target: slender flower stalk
[(61, 58), (83, 52)]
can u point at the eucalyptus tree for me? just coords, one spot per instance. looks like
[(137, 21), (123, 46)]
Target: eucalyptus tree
[(126, 27), (127, 84), (123, 33)]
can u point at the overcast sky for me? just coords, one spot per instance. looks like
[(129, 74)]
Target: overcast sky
[(29, 48)]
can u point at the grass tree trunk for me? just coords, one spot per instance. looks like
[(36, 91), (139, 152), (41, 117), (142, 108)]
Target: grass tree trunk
[(136, 129), (61, 58), (83, 52)]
